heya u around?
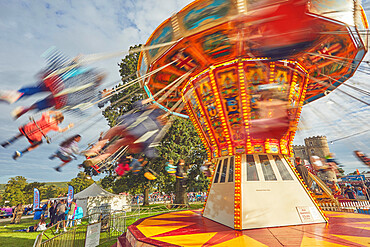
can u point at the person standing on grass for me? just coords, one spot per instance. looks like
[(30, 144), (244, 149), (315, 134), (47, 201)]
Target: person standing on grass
[(71, 213), (52, 213), (18, 214), (13, 214), (61, 209)]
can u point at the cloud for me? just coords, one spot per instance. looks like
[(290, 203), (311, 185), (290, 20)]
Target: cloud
[(87, 27)]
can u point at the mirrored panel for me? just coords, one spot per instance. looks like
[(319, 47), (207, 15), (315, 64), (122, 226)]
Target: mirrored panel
[(252, 174), (224, 170), (231, 170), (284, 173), (268, 173), (218, 171)]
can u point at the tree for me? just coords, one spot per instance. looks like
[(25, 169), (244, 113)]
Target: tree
[(120, 106), (81, 182), (14, 191), (61, 192), (181, 142), (28, 191), (49, 191)]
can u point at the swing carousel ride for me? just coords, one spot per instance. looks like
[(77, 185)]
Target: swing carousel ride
[(241, 70)]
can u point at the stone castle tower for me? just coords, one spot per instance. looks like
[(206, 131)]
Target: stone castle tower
[(316, 145)]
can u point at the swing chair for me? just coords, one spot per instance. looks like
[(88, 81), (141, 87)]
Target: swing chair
[(47, 138)]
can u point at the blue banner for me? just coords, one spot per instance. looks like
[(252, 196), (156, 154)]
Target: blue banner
[(354, 178), (70, 195), (36, 199)]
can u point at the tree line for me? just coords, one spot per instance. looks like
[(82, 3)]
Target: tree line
[(18, 190)]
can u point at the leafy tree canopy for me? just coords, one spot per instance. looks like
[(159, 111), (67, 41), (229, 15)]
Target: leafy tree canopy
[(17, 190), (14, 191), (81, 182), (181, 142)]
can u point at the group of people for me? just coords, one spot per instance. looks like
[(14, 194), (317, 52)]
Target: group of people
[(69, 84), (353, 193), (160, 197), (137, 132), (197, 196), (327, 170), (63, 216)]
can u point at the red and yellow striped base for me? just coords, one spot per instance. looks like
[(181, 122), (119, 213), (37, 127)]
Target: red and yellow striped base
[(189, 228)]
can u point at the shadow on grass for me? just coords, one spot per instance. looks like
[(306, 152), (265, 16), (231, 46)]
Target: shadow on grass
[(8, 237), (21, 239), (11, 241)]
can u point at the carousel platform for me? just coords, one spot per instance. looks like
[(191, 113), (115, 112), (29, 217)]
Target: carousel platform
[(189, 228)]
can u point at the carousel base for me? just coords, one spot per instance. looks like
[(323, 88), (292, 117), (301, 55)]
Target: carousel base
[(189, 228)]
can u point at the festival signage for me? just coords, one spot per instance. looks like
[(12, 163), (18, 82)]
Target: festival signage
[(353, 178), (70, 195), (36, 199), (305, 214), (93, 235)]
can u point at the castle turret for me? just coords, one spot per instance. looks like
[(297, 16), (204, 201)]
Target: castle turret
[(300, 151), (317, 145)]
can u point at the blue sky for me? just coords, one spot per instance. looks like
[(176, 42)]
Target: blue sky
[(28, 28)]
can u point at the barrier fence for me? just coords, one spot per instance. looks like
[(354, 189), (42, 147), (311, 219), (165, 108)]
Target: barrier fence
[(352, 206), (112, 225)]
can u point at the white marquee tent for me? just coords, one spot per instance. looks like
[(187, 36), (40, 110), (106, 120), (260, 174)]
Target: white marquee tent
[(95, 199)]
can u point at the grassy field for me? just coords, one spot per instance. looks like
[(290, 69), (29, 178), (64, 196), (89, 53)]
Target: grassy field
[(24, 239), (20, 239)]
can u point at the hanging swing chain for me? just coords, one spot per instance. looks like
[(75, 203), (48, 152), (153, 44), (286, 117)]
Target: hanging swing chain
[(121, 151), (78, 60), (129, 84), (326, 84), (44, 135), (102, 56), (57, 135), (173, 109), (178, 83)]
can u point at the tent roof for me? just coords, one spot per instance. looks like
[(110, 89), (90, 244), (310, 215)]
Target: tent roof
[(92, 190)]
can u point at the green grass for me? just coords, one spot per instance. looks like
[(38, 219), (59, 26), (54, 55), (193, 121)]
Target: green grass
[(24, 239), (108, 243), (19, 239)]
